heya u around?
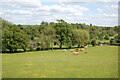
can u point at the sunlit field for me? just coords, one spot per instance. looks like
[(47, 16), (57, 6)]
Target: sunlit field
[(99, 62)]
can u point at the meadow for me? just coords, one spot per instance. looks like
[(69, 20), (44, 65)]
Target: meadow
[(99, 62)]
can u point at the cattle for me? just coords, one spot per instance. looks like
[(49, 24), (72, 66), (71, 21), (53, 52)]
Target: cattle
[(76, 53), (64, 50), (77, 50), (101, 44), (97, 44), (85, 52), (82, 49), (86, 46), (72, 50)]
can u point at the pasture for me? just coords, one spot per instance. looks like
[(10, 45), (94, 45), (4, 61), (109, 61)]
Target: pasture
[(99, 62)]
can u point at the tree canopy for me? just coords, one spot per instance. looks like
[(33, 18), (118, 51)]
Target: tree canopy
[(46, 35)]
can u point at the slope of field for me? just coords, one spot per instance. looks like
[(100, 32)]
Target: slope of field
[(99, 62)]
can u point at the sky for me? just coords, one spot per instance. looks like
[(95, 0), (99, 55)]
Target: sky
[(28, 12)]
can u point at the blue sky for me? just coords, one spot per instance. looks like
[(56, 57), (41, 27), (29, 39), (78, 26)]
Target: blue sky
[(101, 13)]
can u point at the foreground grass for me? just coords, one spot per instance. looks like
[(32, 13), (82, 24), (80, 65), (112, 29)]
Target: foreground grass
[(100, 62)]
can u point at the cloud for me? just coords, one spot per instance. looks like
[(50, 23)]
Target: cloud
[(108, 8), (16, 12), (28, 15), (104, 19), (27, 12), (87, 1), (99, 10), (109, 15), (111, 7), (21, 3), (58, 9)]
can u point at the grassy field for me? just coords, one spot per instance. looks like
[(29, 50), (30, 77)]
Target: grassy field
[(99, 62)]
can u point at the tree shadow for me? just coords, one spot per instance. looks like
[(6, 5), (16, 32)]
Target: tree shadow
[(8, 52), (55, 48)]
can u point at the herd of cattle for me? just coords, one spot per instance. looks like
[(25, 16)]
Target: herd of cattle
[(76, 51)]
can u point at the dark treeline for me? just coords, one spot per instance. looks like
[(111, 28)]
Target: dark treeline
[(47, 35)]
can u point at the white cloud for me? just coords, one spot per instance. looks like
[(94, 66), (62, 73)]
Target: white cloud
[(88, 1), (111, 7), (104, 19), (110, 15), (41, 13), (16, 12), (58, 9), (99, 10), (21, 3), (108, 8), (34, 12)]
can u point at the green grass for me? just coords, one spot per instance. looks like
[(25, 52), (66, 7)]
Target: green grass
[(99, 62)]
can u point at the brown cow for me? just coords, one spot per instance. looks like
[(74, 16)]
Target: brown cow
[(85, 52)]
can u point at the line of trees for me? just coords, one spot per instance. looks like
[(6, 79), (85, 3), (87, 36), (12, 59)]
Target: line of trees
[(46, 35)]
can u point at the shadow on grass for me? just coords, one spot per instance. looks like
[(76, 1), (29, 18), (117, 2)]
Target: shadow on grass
[(8, 52), (34, 50), (55, 48)]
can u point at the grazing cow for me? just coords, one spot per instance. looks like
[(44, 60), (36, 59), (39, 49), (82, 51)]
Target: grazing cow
[(64, 50), (97, 44), (72, 50), (86, 46), (77, 50), (85, 52), (76, 53), (82, 49), (101, 44)]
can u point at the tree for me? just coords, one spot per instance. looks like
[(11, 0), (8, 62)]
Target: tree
[(64, 36), (50, 33), (60, 21), (112, 41), (117, 38), (64, 33), (106, 37), (32, 31), (46, 39), (100, 36), (93, 42), (44, 23), (45, 35), (42, 42), (13, 38), (80, 37), (90, 24), (111, 32), (5, 24)]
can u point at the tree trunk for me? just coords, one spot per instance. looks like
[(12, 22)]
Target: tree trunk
[(11, 50), (70, 47), (78, 46), (15, 50), (52, 45), (60, 46), (24, 50)]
